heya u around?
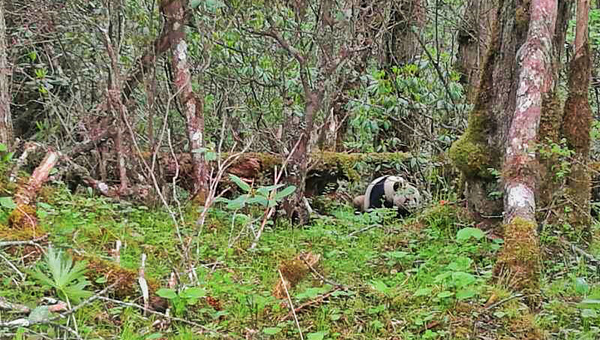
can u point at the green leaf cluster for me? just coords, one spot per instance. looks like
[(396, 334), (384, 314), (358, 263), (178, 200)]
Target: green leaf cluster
[(66, 277)]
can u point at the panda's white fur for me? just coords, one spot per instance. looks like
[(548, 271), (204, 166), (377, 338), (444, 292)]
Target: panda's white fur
[(407, 198)]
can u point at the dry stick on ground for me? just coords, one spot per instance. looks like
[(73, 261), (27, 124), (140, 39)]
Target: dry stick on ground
[(494, 305), (26, 322), (27, 193), (13, 267), (29, 147), (291, 304), (24, 243), (270, 210), (316, 300), (333, 283), (129, 304), (14, 307)]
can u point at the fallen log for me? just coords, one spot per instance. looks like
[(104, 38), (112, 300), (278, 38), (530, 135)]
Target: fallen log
[(325, 168)]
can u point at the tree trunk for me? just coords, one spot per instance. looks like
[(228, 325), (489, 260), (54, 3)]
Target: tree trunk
[(294, 206), (519, 259), (481, 147), (474, 37), (6, 128), (576, 126), (174, 11), (401, 46)]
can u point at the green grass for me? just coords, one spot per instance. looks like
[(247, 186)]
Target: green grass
[(409, 279)]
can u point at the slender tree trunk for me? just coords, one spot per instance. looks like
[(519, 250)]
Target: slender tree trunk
[(175, 13), (577, 123), (298, 164), (519, 259), (6, 127)]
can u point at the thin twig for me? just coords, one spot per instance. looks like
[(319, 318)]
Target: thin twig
[(129, 304), (270, 210), (13, 267), (323, 278), (291, 304), (318, 299), (494, 305)]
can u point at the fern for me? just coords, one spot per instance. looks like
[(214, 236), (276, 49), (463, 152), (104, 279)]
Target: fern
[(68, 279)]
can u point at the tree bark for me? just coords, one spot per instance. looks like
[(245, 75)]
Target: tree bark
[(482, 146), (519, 259), (577, 124), (174, 11), (401, 46), (27, 193), (6, 127), (474, 37)]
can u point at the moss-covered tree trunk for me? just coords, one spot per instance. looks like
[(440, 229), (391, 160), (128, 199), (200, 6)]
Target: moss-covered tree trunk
[(577, 124), (550, 128), (520, 257), (482, 146)]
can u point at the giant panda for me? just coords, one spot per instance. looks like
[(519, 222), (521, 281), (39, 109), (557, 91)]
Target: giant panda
[(389, 192)]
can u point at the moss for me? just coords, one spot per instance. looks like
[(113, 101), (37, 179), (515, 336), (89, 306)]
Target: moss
[(112, 272), (22, 225), (293, 271), (519, 264), (525, 327), (471, 153), (470, 157)]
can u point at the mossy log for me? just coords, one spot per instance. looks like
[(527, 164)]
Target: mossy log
[(324, 167)]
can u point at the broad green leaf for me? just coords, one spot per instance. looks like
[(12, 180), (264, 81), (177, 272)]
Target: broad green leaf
[(466, 233), (285, 192), (380, 286), (589, 313), (39, 314), (462, 279), (271, 330), (465, 294), (316, 335), (237, 203), (210, 156), (3, 147), (7, 202), (166, 293), (445, 294), (240, 183), (266, 190), (193, 293), (258, 199), (581, 286), (101, 279), (423, 292), (195, 3)]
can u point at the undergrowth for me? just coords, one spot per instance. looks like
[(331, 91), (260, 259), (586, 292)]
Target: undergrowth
[(426, 277)]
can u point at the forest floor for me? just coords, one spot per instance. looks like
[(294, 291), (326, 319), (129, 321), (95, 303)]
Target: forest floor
[(425, 277)]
